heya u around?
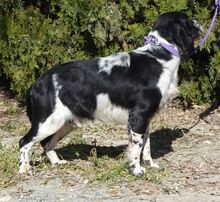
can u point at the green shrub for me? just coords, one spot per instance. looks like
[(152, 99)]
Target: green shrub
[(34, 37), (34, 43)]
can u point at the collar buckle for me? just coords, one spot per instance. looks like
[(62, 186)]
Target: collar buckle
[(151, 39)]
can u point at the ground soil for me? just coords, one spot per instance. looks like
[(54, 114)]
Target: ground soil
[(188, 147)]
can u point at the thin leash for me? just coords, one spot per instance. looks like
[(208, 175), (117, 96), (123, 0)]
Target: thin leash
[(200, 44), (208, 32)]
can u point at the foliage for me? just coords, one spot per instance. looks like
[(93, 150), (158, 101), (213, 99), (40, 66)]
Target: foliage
[(35, 35)]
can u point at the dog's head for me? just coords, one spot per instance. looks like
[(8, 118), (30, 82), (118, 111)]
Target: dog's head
[(178, 29)]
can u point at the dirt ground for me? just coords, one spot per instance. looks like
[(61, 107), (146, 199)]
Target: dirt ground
[(186, 147)]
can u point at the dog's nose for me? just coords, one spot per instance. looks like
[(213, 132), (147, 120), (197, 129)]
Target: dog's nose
[(199, 26)]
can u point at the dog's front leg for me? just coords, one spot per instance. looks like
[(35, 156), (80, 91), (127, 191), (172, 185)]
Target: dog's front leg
[(134, 152), (146, 155), (136, 129)]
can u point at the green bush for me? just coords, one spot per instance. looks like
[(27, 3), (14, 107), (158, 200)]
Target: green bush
[(33, 44), (35, 36)]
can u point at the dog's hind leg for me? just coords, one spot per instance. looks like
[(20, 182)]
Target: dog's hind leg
[(25, 145), (146, 155), (37, 133), (50, 142)]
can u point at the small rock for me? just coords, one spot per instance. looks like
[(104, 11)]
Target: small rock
[(216, 127), (6, 198), (207, 142), (55, 182), (86, 181)]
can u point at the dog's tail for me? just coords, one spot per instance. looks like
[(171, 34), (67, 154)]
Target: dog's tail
[(29, 104)]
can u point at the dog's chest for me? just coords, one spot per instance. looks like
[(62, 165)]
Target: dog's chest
[(168, 81), (108, 112)]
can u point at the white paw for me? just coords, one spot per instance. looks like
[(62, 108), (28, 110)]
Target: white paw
[(25, 169), (154, 165), (58, 161), (138, 171), (62, 162), (151, 163)]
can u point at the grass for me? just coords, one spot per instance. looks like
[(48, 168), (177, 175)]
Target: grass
[(114, 171), (104, 170), (107, 170), (8, 166), (95, 164), (10, 126)]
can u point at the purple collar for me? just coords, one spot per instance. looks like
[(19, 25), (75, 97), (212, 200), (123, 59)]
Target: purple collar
[(151, 39)]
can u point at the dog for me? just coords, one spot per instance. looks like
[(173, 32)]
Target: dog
[(127, 87)]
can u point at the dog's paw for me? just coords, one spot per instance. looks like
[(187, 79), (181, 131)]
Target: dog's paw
[(59, 162), (137, 171), (151, 164), (25, 169), (62, 161)]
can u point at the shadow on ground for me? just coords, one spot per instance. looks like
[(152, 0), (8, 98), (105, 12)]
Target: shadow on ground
[(215, 105), (82, 151), (161, 144), (161, 140)]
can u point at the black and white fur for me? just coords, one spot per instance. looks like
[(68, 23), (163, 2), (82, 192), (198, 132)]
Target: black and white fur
[(127, 87)]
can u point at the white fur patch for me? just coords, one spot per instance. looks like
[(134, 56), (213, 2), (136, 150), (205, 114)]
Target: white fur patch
[(107, 63), (143, 49), (108, 112), (54, 159), (52, 156), (168, 80)]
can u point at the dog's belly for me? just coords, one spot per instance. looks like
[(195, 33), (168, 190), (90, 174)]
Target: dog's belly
[(108, 112)]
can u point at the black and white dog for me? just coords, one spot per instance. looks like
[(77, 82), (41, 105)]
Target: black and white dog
[(127, 87)]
